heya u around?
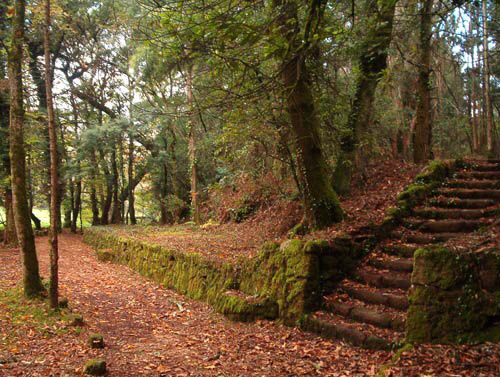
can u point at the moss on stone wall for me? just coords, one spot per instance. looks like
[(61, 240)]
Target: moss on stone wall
[(187, 273), (424, 183), (284, 281), (454, 296)]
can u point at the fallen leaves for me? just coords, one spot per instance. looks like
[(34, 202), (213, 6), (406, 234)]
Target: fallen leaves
[(152, 331)]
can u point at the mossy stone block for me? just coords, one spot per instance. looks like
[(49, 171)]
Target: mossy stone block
[(96, 341), (63, 302), (448, 300), (95, 367), (76, 320)]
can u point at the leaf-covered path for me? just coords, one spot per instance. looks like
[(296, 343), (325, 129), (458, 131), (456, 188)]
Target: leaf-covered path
[(152, 331)]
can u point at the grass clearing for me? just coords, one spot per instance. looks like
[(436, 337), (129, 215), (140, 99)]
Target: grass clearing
[(22, 315)]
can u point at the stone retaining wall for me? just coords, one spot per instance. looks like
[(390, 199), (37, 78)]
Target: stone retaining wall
[(455, 296), (283, 281)]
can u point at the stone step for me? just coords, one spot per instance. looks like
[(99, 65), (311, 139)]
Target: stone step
[(394, 264), (420, 238), (361, 312), (358, 334), (444, 226), (445, 202), (383, 278), (400, 249), (474, 184), (487, 166), (394, 298), (478, 175), (470, 194), (453, 213)]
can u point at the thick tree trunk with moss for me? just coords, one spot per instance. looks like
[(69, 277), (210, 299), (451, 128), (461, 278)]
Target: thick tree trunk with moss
[(31, 276), (372, 63), (321, 205), (422, 138)]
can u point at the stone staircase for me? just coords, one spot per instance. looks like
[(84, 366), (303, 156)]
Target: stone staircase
[(369, 307)]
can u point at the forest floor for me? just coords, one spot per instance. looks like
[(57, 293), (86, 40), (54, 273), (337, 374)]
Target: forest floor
[(152, 331), (365, 205)]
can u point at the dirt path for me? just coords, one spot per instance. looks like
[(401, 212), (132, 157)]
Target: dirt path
[(154, 331)]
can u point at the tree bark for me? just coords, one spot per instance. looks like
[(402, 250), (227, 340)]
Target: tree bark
[(31, 276), (9, 232), (472, 87), (486, 79), (116, 211), (372, 63), (130, 173), (93, 191), (77, 183), (68, 207), (192, 146), (321, 205), (422, 138), (106, 203), (54, 176)]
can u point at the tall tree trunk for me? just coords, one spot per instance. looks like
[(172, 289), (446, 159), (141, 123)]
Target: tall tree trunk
[(486, 79), (321, 205), (130, 173), (69, 205), (162, 193), (108, 199), (31, 276), (372, 63), (422, 138), (130, 163), (192, 146), (472, 86), (35, 49), (173, 167), (77, 206), (9, 232), (116, 211), (54, 179), (93, 191), (77, 183)]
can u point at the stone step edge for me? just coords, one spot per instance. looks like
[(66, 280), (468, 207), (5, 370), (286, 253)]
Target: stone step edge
[(348, 334)]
